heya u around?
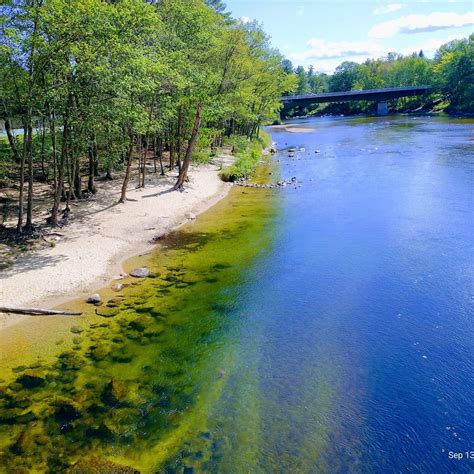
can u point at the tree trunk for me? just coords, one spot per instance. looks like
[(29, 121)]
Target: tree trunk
[(44, 174), (160, 155), (183, 175), (37, 311), (12, 141), (139, 143), (77, 178), (71, 195), (171, 155), (52, 129), (144, 150), (123, 196), (108, 171), (29, 205), (19, 226), (178, 136), (90, 182), (62, 160)]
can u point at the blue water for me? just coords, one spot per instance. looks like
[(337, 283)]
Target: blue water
[(326, 327), (363, 325)]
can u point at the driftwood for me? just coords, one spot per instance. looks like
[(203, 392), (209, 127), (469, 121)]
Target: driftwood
[(36, 311)]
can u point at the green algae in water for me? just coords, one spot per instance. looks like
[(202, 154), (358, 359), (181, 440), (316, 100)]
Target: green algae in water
[(138, 388)]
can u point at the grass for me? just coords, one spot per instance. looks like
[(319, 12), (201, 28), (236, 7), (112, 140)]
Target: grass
[(248, 154)]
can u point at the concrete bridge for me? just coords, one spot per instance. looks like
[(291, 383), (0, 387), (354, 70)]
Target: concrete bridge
[(378, 95)]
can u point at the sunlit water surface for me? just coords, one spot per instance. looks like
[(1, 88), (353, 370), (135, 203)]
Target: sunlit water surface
[(321, 328)]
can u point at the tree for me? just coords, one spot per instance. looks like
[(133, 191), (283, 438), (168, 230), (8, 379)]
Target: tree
[(105, 81), (344, 77), (454, 69)]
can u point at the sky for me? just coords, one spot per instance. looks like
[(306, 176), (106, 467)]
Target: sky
[(325, 33)]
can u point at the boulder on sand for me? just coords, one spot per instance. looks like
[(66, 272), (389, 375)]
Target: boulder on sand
[(141, 272), (94, 299)]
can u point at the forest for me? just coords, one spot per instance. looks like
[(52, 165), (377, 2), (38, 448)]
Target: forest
[(450, 74), (90, 89)]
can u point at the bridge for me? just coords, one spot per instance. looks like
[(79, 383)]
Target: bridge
[(378, 95)]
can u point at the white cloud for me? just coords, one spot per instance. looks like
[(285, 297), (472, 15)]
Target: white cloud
[(421, 23), (393, 7), (429, 46), (322, 49), (326, 56), (245, 19)]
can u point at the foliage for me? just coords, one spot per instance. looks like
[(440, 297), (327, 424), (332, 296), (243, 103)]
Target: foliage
[(93, 85), (248, 154), (450, 75)]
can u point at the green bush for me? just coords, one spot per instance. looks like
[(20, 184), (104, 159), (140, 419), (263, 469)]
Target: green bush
[(245, 162), (202, 156), (265, 139), (239, 143)]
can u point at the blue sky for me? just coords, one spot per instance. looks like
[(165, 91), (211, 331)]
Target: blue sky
[(327, 32)]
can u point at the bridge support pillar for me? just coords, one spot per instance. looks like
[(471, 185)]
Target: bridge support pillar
[(382, 108)]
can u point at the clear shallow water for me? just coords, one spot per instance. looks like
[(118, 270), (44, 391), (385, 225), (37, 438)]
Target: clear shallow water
[(327, 328)]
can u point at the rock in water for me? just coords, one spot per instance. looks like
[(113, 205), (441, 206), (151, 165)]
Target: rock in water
[(100, 465), (94, 299), (114, 393), (117, 286), (107, 312), (191, 216), (31, 379), (141, 272), (24, 444)]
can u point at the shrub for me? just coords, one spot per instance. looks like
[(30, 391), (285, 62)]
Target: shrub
[(245, 162)]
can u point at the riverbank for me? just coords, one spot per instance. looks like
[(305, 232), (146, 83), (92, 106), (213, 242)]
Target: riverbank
[(89, 252)]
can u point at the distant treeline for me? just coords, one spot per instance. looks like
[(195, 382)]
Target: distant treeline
[(450, 75), (94, 85)]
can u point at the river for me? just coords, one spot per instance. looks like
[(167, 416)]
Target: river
[(323, 327)]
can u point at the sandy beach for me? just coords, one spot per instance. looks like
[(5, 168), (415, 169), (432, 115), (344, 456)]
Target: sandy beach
[(293, 128), (88, 253)]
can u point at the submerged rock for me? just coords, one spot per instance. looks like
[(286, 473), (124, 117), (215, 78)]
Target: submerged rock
[(141, 272), (114, 302), (23, 444), (31, 379), (13, 416), (115, 392), (98, 352), (141, 323), (191, 215), (69, 361), (66, 411), (100, 465), (121, 355), (117, 286), (107, 312)]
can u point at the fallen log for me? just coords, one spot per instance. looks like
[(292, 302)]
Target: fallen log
[(37, 311)]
